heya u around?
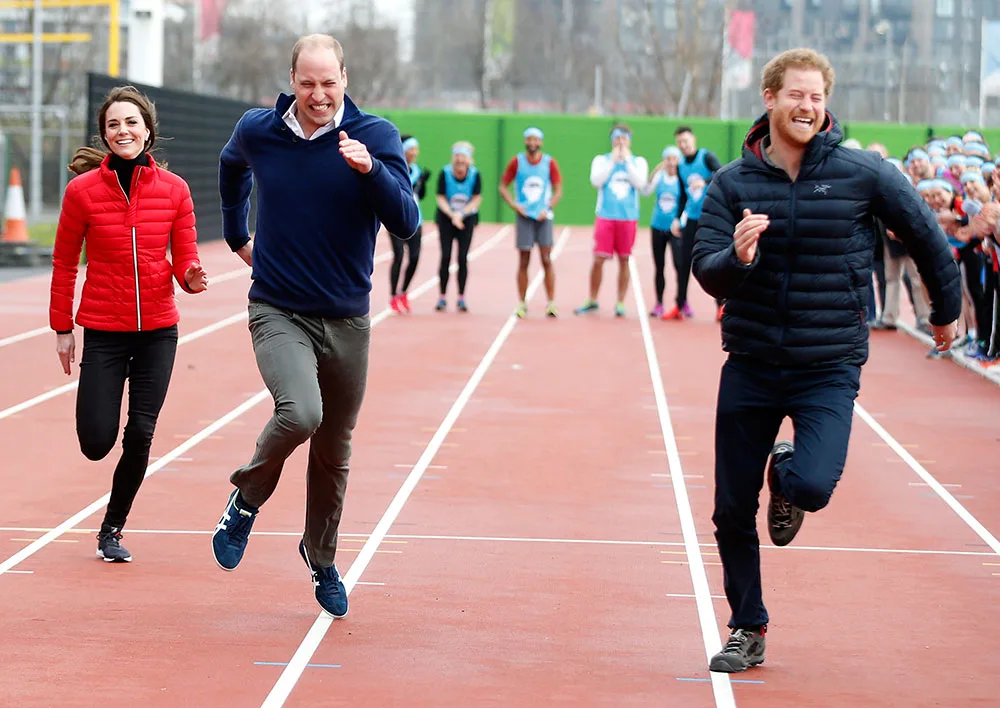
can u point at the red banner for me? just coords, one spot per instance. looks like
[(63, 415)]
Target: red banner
[(741, 32)]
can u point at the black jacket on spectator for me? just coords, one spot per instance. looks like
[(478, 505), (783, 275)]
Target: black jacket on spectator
[(803, 300)]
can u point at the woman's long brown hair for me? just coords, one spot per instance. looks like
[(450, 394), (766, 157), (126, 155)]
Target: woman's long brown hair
[(89, 158)]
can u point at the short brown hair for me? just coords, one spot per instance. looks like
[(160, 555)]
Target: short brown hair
[(773, 75), (88, 158), (313, 41)]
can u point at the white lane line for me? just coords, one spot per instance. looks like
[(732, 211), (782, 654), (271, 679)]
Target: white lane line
[(178, 451), (390, 538), (31, 334), (72, 521), (291, 674), (59, 390), (14, 338), (215, 327), (929, 479), (721, 686)]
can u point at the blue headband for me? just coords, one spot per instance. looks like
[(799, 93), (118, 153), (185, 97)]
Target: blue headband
[(619, 133), (533, 133), (925, 184), (462, 150), (409, 144), (971, 176), (671, 150)]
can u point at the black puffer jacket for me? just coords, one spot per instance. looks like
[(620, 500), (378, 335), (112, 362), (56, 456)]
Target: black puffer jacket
[(804, 299)]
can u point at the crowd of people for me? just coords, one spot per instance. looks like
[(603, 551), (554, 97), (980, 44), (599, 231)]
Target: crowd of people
[(958, 179)]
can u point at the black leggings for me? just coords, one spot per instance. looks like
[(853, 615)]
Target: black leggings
[(412, 245), (682, 261), (146, 360), (660, 240), (448, 234), (974, 264), (991, 338)]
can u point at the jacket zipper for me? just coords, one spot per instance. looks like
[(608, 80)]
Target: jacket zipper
[(788, 266), (135, 254)]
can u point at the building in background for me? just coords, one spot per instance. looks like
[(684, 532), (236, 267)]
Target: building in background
[(915, 61)]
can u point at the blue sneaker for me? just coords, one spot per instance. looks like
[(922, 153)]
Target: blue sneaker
[(233, 532), (586, 307), (330, 591)]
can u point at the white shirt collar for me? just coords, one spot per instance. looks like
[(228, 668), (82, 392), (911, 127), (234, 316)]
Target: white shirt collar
[(292, 122)]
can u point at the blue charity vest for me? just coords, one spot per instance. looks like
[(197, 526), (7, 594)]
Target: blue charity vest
[(414, 176), (534, 185), (618, 200), (458, 193), (695, 191), (668, 192)]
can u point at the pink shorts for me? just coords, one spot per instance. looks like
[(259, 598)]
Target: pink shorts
[(613, 238)]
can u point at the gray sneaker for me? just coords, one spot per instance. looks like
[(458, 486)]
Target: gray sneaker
[(744, 650), (783, 518)]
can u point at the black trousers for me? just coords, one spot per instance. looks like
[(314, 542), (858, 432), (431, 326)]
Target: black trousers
[(683, 252), (974, 264), (450, 234), (661, 239), (754, 398), (146, 361), (412, 245)]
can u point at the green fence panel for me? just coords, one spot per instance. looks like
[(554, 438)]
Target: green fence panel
[(436, 133)]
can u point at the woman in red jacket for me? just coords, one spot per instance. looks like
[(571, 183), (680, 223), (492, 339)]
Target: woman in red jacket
[(129, 210)]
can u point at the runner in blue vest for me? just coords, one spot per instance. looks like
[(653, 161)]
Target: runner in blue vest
[(618, 176), (458, 198), (695, 171), (418, 181), (538, 186), (665, 184)]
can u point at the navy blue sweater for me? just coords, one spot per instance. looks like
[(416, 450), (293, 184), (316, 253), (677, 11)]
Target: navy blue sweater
[(317, 218)]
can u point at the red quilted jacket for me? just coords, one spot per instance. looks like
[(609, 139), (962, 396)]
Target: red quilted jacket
[(129, 284)]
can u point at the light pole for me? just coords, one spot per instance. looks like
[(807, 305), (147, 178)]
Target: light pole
[(884, 28)]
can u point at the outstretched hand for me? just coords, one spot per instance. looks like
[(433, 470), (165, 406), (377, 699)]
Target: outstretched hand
[(355, 153), (747, 234), (196, 278)]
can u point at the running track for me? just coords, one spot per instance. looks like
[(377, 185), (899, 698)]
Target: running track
[(528, 521)]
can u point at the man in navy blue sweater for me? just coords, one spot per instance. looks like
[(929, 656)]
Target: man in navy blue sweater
[(327, 175)]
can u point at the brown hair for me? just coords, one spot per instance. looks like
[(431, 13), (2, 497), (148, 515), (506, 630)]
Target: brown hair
[(313, 41), (88, 158), (773, 75)]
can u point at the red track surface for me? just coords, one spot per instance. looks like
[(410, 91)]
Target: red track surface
[(538, 561)]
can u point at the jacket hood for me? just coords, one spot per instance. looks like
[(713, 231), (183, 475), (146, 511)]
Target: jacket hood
[(828, 137)]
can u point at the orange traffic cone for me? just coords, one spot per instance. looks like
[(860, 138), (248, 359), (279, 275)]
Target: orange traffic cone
[(16, 228)]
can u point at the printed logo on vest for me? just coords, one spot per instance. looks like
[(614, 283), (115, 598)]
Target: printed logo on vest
[(533, 189), (696, 186), (620, 186)]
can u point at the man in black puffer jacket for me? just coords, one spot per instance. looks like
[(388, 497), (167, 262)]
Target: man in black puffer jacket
[(786, 238)]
